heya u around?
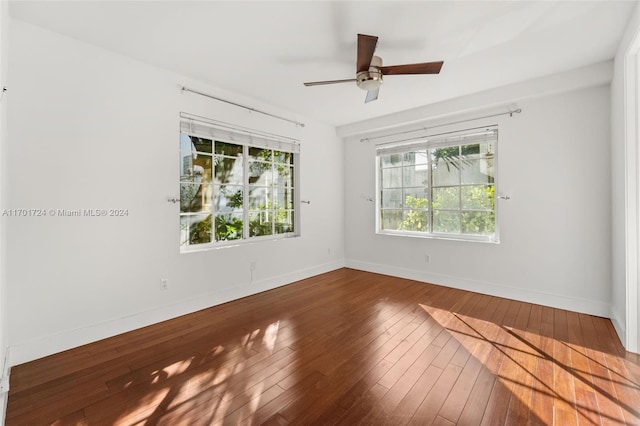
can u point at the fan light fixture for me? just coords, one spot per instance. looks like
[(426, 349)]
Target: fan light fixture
[(371, 79)]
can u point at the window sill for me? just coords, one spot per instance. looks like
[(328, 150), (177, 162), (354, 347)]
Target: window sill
[(235, 243), (448, 237)]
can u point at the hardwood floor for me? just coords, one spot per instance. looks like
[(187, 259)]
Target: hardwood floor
[(346, 347)]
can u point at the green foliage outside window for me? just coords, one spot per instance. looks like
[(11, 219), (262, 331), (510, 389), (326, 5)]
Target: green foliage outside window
[(416, 215), (480, 197), (458, 198), (228, 227), (200, 232), (269, 220)]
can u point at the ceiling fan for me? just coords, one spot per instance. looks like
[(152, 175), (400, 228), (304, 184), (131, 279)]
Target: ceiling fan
[(369, 69)]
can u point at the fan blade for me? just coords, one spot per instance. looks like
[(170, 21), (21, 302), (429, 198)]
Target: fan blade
[(320, 83), (424, 68), (366, 47), (372, 95)]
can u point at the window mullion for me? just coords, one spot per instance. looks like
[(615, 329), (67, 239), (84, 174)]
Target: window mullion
[(214, 192), (460, 187), (402, 192), (430, 190), (245, 191), (272, 208)]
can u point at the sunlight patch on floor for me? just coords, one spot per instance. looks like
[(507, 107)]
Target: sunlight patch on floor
[(530, 358), (144, 408), (270, 336)]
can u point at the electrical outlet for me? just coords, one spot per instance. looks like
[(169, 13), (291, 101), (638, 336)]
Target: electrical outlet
[(252, 265), (164, 284), (427, 258)]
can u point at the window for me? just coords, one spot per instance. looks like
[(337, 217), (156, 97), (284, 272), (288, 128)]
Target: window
[(234, 187), (442, 186)]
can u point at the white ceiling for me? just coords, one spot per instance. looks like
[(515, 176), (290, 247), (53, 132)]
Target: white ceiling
[(267, 49)]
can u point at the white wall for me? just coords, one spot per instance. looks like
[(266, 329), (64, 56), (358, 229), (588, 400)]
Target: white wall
[(555, 231), (4, 367), (91, 129), (624, 198)]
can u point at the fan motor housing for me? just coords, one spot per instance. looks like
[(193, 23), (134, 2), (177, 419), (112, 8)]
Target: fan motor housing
[(371, 79)]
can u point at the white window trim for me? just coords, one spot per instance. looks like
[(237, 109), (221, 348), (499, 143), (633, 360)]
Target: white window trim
[(246, 139), (431, 141)]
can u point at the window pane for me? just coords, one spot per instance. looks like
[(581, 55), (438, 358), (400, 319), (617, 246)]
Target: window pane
[(446, 166), (444, 173), (478, 197), (392, 198), (446, 221), (391, 160), (416, 158), (260, 173), (391, 219), (201, 145), (446, 198), (261, 154), (195, 198), (195, 167), (259, 224), (195, 229), (283, 157), (284, 176), (202, 168), (482, 223), (471, 150), (228, 198), (416, 198), (189, 155), (258, 199), (478, 161), (228, 149), (409, 158), (415, 175), (291, 176), (416, 220), (282, 198), (186, 165), (446, 154), (228, 227), (477, 150), (477, 171), (229, 170), (284, 221), (392, 178)]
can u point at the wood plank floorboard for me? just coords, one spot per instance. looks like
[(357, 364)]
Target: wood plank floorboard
[(343, 348)]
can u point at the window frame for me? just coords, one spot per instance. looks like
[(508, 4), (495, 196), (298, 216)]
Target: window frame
[(440, 140), (226, 136)]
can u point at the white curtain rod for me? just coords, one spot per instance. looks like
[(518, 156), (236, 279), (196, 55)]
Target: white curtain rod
[(515, 111), (186, 89)]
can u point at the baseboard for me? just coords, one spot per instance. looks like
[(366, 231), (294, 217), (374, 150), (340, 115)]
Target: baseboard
[(574, 304), (619, 326), (37, 348)]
